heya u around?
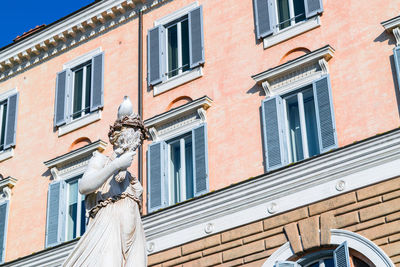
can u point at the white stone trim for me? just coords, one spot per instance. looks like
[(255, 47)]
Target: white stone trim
[(178, 80), (73, 163), (178, 120), (5, 188), (390, 24), (8, 93), (291, 32), (292, 74), (82, 59), (6, 154), (176, 14), (78, 123), (355, 241)]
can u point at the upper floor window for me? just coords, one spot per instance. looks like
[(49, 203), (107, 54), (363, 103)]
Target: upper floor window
[(177, 159), (8, 122), (79, 92), (279, 20), (75, 202), (176, 49)]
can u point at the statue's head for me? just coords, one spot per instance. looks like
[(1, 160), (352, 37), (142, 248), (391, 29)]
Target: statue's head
[(128, 131)]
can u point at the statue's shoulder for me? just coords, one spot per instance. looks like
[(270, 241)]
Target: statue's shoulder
[(98, 160)]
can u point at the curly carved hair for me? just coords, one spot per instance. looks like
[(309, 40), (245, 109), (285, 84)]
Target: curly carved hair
[(132, 121)]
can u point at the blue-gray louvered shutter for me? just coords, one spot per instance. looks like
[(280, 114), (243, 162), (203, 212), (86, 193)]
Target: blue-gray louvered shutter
[(157, 183), (3, 228), (56, 208), (196, 37), (341, 256), (313, 7), (325, 115), (200, 159), (286, 264), (11, 121), (274, 133), (264, 13), (155, 55), (97, 89), (396, 52), (62, 95)]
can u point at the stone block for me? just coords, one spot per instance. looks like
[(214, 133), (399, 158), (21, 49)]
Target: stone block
[(286, 218), (380, 209), (243, 231), (263, 235), (381, 230), (164, 256), (347, 219), (183, 259), (327, 223), (222, 247), (244, 250), (378, 189), (292, 234), (332, 203), (309, 232), (201, 244), (366, 225), (359, 205), (392, 249), (211, 260)]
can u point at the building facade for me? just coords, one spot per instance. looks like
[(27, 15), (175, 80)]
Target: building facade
[(273, 123)]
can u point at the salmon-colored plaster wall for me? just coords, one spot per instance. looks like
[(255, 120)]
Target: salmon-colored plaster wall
[(36, 141), (361, 73)]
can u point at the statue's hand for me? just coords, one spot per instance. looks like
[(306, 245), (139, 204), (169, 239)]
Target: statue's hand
[(124, 161)]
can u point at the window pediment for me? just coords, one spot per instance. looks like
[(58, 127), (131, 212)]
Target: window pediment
[(393, 26), (294, 73)]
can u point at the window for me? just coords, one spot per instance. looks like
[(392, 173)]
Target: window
[(79, 92), (8, 122), (177, 168), (66, 211), (340, 257), (298, 124), (76, 221), (274, 18), (175, 49), (3, 228)]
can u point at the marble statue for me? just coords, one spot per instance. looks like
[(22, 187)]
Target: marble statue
[(114, 235)]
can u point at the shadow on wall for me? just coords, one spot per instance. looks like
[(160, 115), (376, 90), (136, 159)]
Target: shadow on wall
[(385, 36)]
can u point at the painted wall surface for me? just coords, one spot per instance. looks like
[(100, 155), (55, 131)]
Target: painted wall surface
[(361, 71)]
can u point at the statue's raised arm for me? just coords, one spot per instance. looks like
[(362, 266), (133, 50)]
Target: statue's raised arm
[(114, 235)]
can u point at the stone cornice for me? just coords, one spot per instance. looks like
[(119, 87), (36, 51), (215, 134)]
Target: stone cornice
[(67, 33), (293, 69), (6, 185), (393, 26), (203, 102)]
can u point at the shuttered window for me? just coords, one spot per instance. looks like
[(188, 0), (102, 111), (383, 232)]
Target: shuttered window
[(396, 56), (299, 124), (8, 121), (341, 256), (271, 16), (79, 90), (177, 169), (175, 47), (4, 206)]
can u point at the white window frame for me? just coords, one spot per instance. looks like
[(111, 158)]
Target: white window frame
[(182, 77), (88, 118), (9, 152), (79, 206)]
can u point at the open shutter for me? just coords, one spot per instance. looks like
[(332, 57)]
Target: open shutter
[(196, 37), (11, 121), (56, 208), (200, 160), (274, 133), (341, 256), (62, 94), (287, 264), (97, 88), (313, 7), (396, 52), (264, 17), (325, 115), (157, 183), (3, 228), (155, 55)]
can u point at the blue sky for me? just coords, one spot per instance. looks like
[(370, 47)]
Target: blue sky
[(18, 17)]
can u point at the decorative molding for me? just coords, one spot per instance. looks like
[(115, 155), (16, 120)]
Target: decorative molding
[(179, 112), (6, 185), (68, 32), (393, 26), (355, 241), (293, 73), (68, 164), (6, 154), (291, 32), (365, 163), (202, 114), (79, 123), (82, 59), (396, 33), (154, 134), (178, 80), (8, 93)]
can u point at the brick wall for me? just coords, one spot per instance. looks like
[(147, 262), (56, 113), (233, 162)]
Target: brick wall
[(373, 212)]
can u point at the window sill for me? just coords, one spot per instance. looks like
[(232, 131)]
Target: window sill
[(291, 32), (178, 80), (6, 154), (76, 124)]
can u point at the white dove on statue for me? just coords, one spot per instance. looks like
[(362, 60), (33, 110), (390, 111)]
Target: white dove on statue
[(126, 108)]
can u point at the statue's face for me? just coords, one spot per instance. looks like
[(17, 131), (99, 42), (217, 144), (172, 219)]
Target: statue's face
[(128, 140)]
